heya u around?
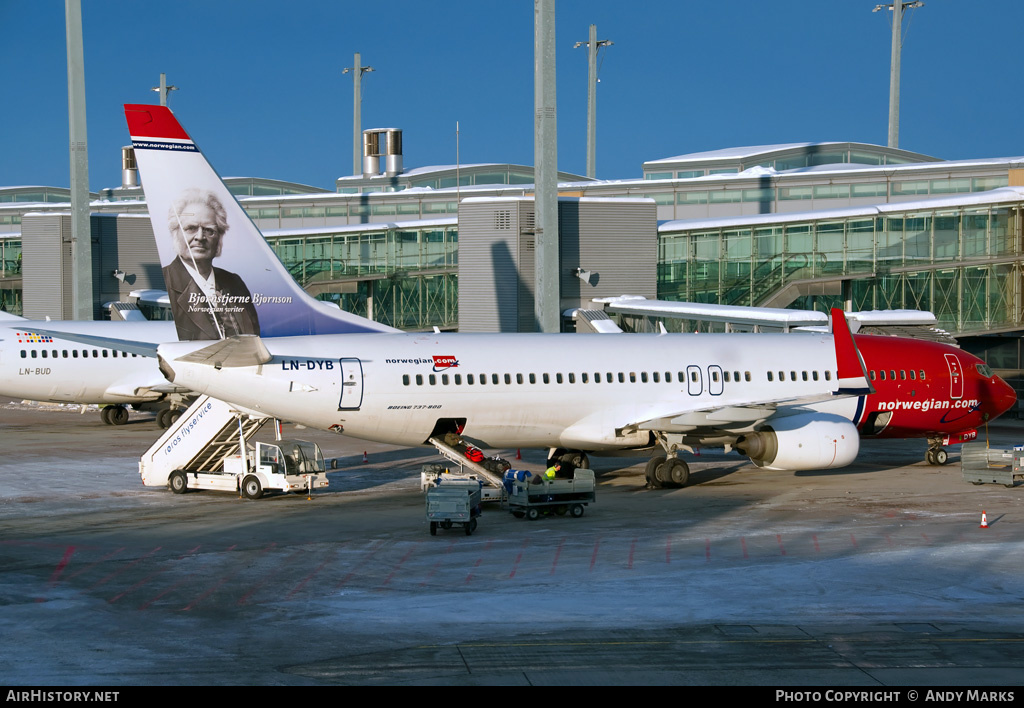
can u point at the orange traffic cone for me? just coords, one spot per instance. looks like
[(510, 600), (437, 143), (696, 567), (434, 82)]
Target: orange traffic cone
[(365, 459), (984, 521), (519, 454)]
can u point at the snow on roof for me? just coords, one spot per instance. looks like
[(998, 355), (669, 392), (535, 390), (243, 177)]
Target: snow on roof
[(995, 196)]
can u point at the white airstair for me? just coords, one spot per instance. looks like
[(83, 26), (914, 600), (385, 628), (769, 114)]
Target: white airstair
[(202, 438)]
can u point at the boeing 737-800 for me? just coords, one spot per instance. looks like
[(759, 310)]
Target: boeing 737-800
[(252, 337)]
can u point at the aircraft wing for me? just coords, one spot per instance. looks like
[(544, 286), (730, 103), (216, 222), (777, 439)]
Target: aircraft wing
[(852, 381)]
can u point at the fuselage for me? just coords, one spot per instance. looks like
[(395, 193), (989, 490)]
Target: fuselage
[(589, 392), (48, 368)]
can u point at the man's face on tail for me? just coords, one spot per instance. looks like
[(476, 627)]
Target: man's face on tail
[(198, 237)]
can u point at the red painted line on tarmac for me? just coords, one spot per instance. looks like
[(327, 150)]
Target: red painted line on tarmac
[(853, 540), (515, 564), (743, 544), (436, 564), (558, 552), (68, 552), (479, 560), (593, 557), (707, 549), (378, 544), (244, 599), (817, 548), (302, 583), (926, 539), (95, 563), (223, 580), (61, 565), (632, 547), (782, 549), (103, 581), (400, 563), (149, 602), (149, 577)]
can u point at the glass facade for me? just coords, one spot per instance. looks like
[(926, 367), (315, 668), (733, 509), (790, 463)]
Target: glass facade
[(403, 277), (963, 264)]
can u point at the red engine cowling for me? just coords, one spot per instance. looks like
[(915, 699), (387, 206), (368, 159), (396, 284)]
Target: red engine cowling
[(811, 441)]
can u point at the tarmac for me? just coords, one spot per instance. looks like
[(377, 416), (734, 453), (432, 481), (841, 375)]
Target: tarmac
[(877, 575)]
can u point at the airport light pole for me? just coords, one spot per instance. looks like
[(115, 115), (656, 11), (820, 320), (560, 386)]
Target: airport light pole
[(81, 233), (897, 9), (357, 75), (163, 89), (592, 45)]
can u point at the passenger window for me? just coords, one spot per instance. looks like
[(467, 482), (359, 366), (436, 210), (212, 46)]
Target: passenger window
[(892, 374), (572, 378), (871, 374), (632, 377), (792, 376), (444, 379), (622, 377), (494, 379), (770, 377), (547, 379), (419, 379), (920, 375), (804, 375), (584, 378), (609, 378), (533, 378), (746, 376), (814, 375), (483, 379), (405, 379), (903, 375), (508, 379), (643, 376), (34, 354), (433, 380), (45, 355), (519, 378), (882, 374), (458, 379), (913, 375), (828, 375), (657, 377)]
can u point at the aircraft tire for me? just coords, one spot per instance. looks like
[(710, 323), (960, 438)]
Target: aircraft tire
[(105, 415), (941, 456), (173, 415), (678, 471), (118, 415), (251, 487), (162, 421), (650, 472)]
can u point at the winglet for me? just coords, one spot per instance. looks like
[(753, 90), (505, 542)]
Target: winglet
[(853, 377)]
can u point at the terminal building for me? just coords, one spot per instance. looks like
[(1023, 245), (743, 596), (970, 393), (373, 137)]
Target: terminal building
[(808, 225)]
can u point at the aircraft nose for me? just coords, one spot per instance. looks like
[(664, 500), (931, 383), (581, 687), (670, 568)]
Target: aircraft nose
[(1001, 396)]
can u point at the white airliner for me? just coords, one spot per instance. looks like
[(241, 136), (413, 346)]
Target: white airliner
[(787, 401), (48, 367)]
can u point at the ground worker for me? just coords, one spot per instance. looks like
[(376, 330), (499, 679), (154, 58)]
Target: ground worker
[(551, 472)]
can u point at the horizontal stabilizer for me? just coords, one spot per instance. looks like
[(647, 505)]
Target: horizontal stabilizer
[(243, 350)]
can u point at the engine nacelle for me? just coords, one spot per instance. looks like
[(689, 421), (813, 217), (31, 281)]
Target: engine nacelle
[(811, 441)]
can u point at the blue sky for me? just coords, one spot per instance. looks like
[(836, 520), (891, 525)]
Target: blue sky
[(261, 88)]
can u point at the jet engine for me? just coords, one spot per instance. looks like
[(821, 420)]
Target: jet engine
[(811, 441)]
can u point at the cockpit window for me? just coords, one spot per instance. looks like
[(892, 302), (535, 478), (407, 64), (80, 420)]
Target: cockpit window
[(984, 370)]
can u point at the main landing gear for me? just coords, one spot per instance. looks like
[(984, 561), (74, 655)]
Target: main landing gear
[(666, 472), (167, 417), (114, 415), (572, 459)]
